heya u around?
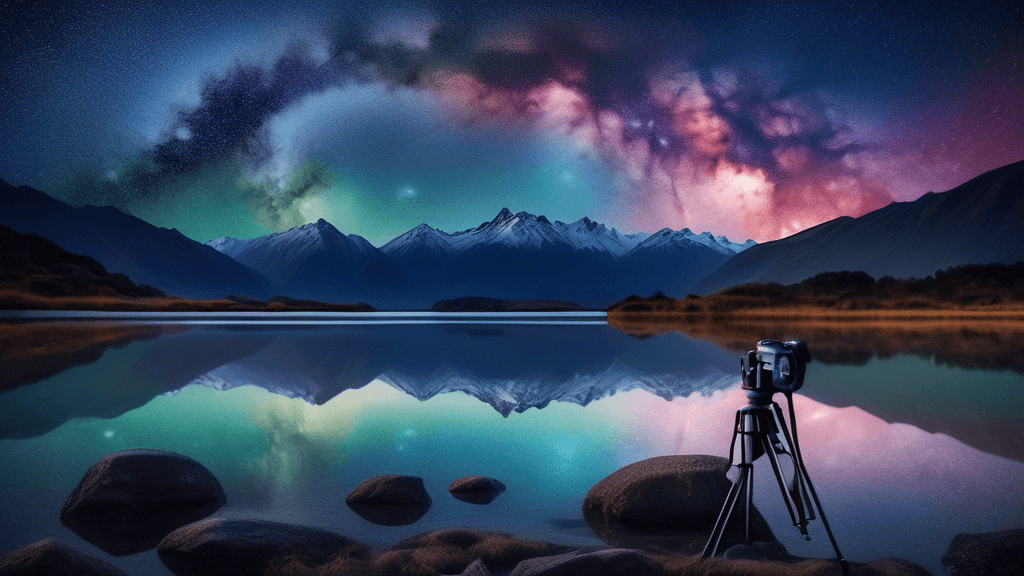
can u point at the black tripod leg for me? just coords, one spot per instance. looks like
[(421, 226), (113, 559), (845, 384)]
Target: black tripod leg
[(801, 469), (793, 502), (730, 500), (711, 548)]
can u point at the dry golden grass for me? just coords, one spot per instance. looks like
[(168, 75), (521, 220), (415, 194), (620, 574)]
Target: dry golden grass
[(695, 566), (343, 565), (451, 550)]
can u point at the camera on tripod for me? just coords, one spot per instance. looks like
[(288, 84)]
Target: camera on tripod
[(775, 366), (761, 430)]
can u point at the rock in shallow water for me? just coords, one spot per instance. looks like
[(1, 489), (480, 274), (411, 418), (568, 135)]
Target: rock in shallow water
[(476, 489), (986, 553), (131, 499), (236, 546), (667, 502), (391, 490), (390, 500), (53, 557)]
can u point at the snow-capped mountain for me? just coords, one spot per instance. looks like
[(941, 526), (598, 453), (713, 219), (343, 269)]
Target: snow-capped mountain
[(518, 256), (521, 230), (599, 237), (314, 260), (666, 240)]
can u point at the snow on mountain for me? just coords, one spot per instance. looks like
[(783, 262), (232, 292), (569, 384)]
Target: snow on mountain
[(421, 239), (527, 231), (666, 240), (597, 236), (505, 395), (281, 255), (520, 230)]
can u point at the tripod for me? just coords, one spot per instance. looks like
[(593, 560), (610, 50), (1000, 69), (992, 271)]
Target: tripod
[(757, 433)]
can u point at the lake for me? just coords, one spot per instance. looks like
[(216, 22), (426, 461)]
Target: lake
[(907, 445)]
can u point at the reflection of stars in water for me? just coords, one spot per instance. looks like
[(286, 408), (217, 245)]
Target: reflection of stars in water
[(407, 433), (108, 434)]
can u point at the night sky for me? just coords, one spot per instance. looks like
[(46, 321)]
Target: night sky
[(749, 119)]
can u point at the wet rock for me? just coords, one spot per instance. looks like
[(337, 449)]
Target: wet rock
[(986, 553), (53, 557), (476, 489), (667, 503), (612, 562), (238, 546), (131, 499), (390, 500)]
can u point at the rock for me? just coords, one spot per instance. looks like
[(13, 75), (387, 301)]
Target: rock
[(667, 502), (476, 489), (759, 551), (131, 499), (390, 500), (53, 557), (391, 490), (237, 546), (612, 562), (986, 553), (477, 568)]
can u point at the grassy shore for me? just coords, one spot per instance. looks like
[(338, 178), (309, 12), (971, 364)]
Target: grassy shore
[(21, 300)]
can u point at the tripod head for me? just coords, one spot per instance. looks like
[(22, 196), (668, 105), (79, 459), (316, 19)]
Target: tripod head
[(773, 367)]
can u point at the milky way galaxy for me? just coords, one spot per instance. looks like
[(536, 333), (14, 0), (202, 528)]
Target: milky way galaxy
[(754, 120)]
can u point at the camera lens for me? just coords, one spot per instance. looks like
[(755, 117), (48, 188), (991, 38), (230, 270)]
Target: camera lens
[(784, 366)]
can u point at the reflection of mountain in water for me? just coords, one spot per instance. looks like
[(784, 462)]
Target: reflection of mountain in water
[(512, 368), (565, 364)]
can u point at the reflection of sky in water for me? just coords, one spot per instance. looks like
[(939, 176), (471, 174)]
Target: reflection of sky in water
[(888, 489)]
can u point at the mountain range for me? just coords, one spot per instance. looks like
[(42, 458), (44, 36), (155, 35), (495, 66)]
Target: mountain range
[(513, 256), (978, 222), (521, 256)]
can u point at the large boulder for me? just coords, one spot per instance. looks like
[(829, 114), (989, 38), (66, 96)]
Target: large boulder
[(986, 553), (667, 502), (476, 489), (612, 562), (390, 500), (237, 546), (53, 557), (131, 499)]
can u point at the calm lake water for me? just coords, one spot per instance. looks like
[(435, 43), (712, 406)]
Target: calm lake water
[(905, 450)]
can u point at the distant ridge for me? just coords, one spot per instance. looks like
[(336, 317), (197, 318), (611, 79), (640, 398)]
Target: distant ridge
[(978, 222), (165, 259)]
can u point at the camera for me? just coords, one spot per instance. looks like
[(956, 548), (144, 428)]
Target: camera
[(775, 366)]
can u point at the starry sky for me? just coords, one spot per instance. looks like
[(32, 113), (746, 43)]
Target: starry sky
[(749, 119)]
